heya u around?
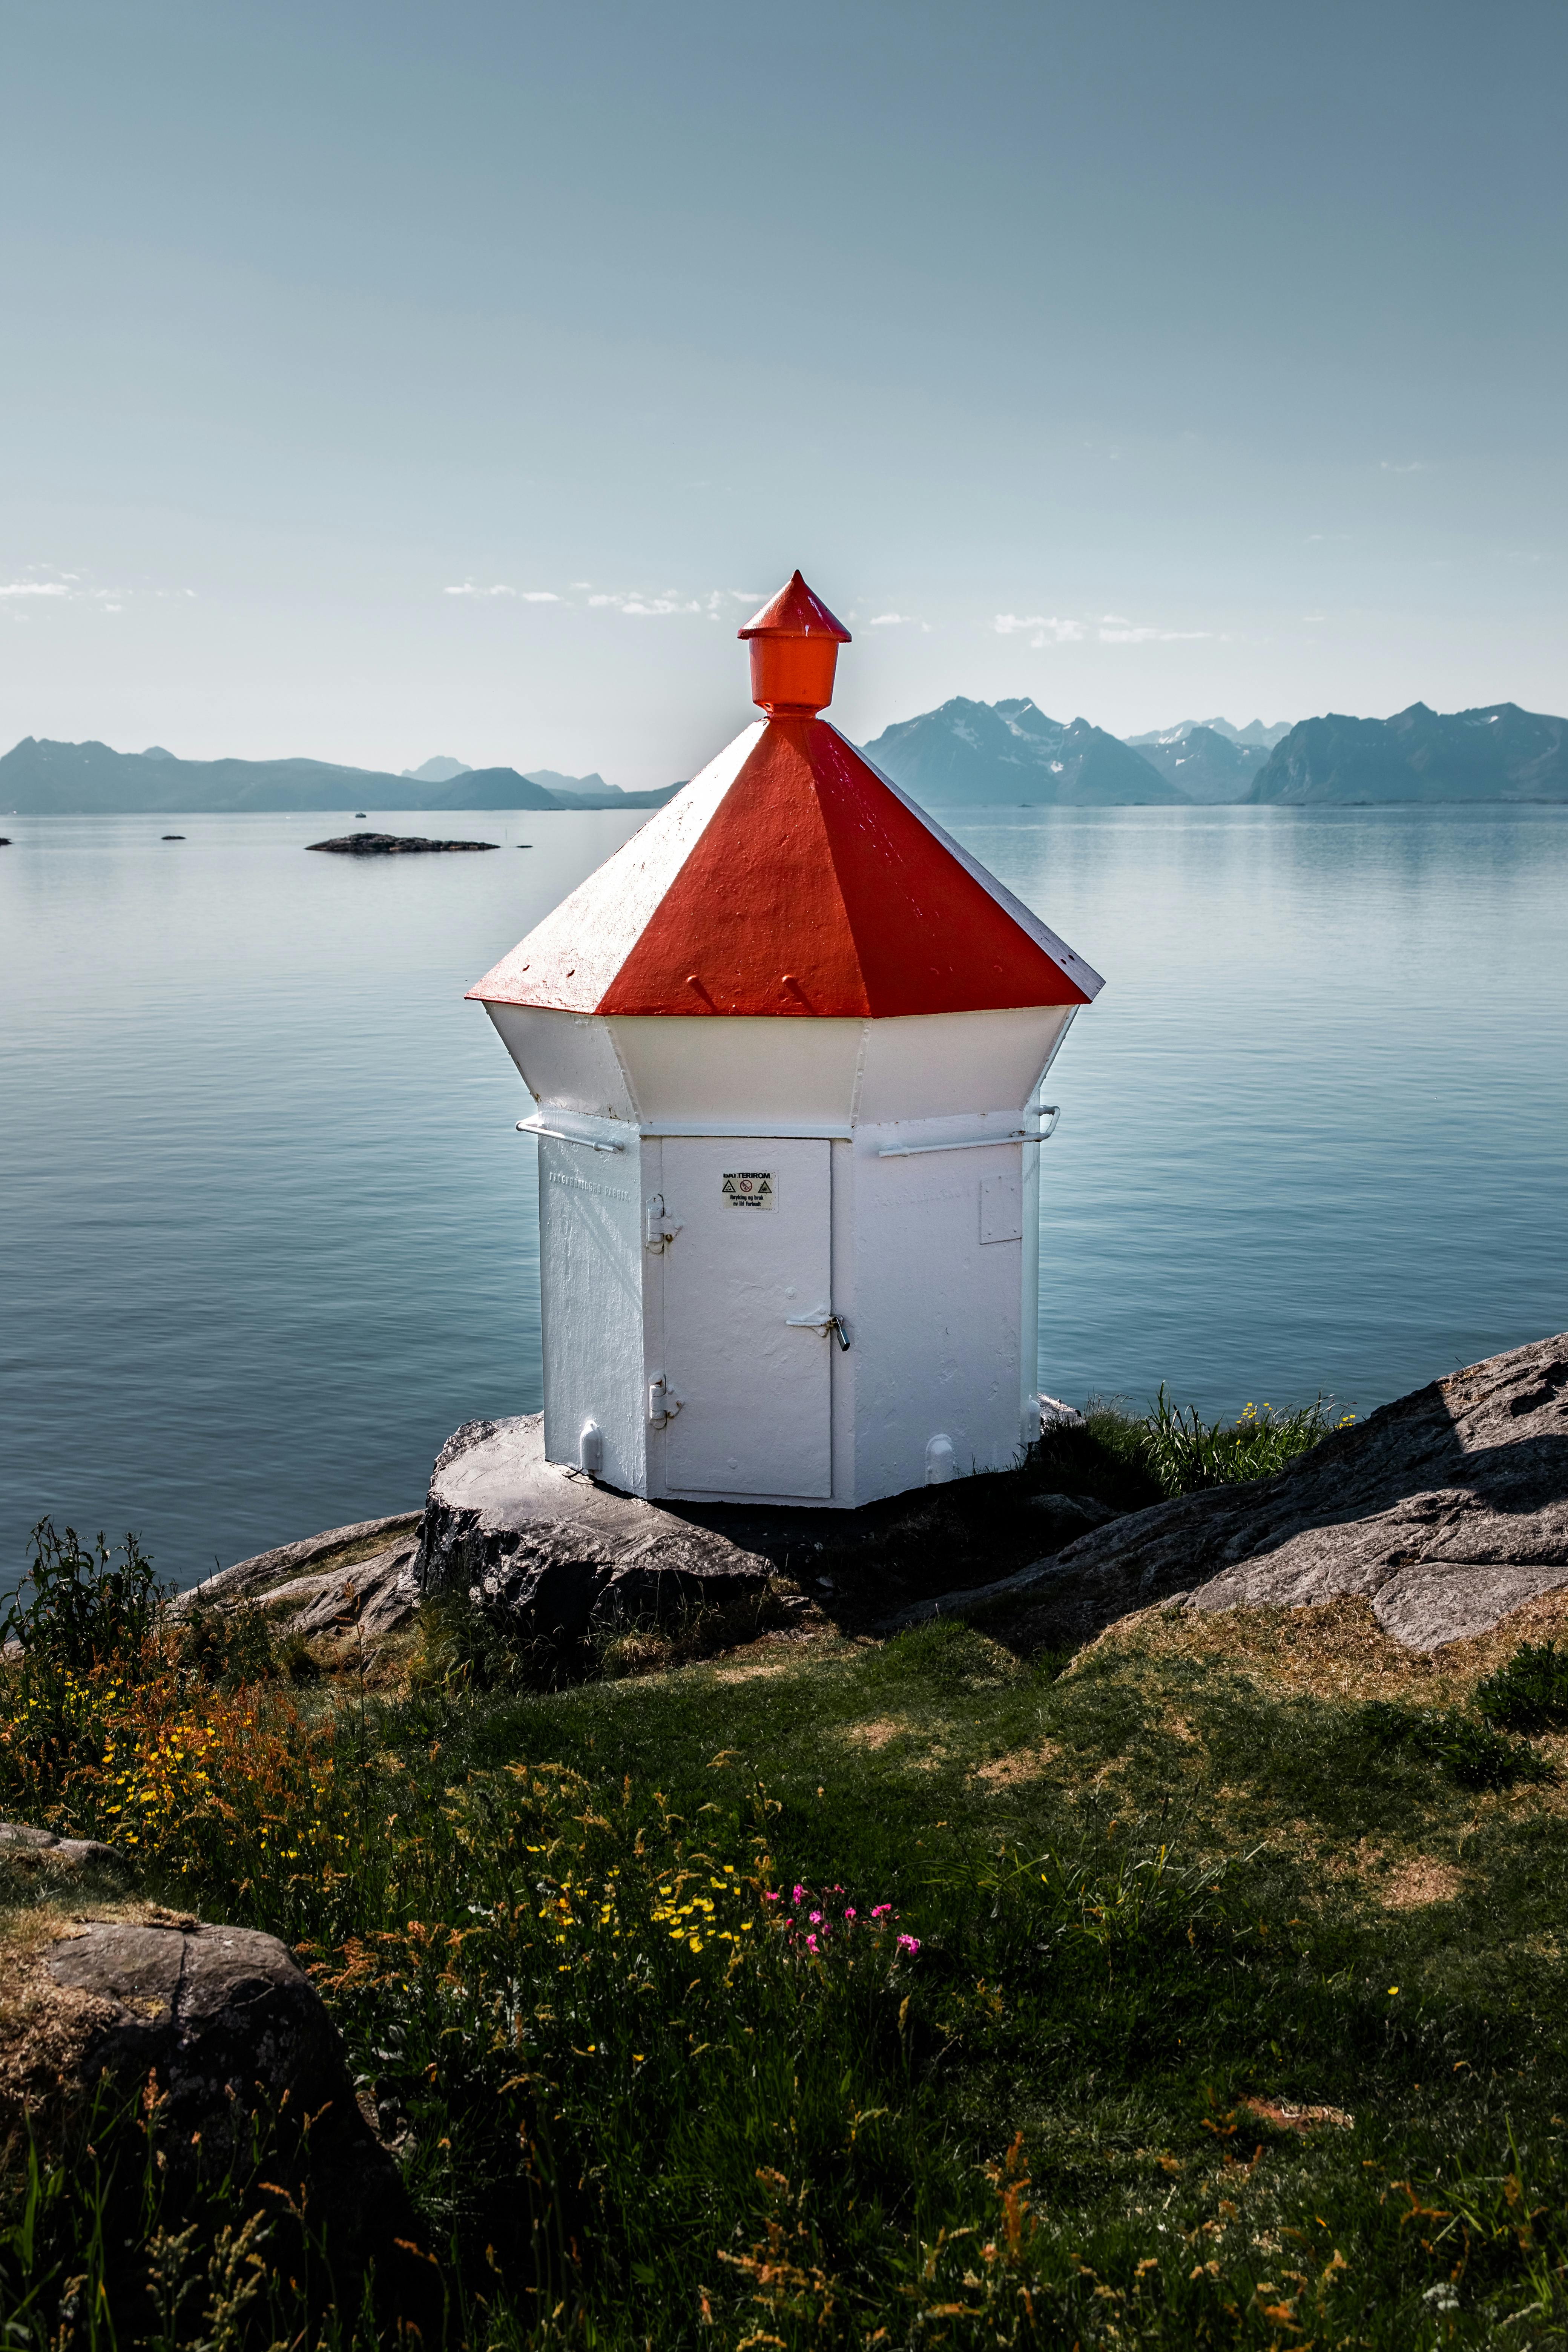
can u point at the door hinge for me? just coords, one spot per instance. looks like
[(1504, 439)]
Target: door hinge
[(659, 1231), (662, 1407)]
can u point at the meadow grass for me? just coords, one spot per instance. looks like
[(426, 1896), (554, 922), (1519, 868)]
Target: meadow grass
[(843, 1992)]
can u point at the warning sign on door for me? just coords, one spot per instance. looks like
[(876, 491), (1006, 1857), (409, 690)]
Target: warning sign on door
[(750, 1187)]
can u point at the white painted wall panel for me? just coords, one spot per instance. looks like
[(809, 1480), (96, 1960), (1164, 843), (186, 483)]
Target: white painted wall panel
[(567, 1060), (943, 1066), (1029, 1315), (591, 1288), (801, 1073), (938, 1314)]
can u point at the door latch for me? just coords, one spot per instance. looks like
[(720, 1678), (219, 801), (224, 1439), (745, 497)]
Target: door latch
[(659, 1231), (825, 1321)]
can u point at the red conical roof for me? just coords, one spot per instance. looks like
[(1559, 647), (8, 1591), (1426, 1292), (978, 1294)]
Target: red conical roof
[(790, 877), (796, 610)]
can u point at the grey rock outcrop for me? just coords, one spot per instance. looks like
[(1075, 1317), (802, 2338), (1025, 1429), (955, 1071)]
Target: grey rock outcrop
[(226, 2016), (373, 1594), (266, 1569), (1064, 1518), (233, 2029), (26, 1851), (558, 1552), (1445, 1509)]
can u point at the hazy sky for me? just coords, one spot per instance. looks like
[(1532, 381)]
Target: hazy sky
[(384, 380)]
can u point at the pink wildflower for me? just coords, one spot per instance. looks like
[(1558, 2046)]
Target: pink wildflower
[(849, 1911), (908, 1942)]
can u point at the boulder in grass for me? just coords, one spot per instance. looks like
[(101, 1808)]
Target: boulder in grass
[(39, 1856), (226, 2017), (219, 2037)]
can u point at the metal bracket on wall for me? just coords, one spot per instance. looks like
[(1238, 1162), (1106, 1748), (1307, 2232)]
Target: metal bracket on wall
[(559, 1135), (659, 1230)]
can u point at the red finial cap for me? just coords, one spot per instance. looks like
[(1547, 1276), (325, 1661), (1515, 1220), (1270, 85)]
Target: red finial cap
[(795, 651)]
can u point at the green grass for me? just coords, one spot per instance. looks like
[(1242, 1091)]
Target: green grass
[(1187, 1455), (1531, 1693), (1132, 1890), (1465, 1745)]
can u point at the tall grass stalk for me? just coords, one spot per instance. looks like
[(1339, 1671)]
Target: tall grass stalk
[(1188, 1454)]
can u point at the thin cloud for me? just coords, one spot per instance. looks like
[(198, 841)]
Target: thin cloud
[(1416, 466), (640, 607), (1048, 629), (637, 605), (890, 620), (1127, 634), (67, 587)]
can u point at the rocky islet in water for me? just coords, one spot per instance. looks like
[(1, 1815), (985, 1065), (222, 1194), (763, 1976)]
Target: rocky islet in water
[(391, 845)]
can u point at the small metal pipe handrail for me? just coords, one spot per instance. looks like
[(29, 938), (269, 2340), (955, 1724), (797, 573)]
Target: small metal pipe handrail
[(560, 1135), (978, 1142)]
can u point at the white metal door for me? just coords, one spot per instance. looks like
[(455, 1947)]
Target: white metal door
[(755, 1249)]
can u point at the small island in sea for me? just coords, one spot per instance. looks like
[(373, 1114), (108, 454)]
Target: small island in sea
[(391, 845)]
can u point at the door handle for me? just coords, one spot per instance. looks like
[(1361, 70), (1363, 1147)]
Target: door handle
[(825, 1321)]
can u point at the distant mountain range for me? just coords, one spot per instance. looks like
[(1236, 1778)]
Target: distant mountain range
[(972, 754), (1204, 764), (438, 772), (962, 755), (1254, 734), (593, 791), (42, 778), (1501, 753), (1003, 753)]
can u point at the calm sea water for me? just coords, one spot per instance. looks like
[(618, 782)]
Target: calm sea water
[(267, 1232)]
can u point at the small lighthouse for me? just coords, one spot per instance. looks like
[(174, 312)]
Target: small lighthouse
[(787, 1047)]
